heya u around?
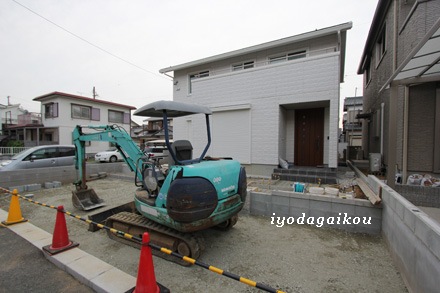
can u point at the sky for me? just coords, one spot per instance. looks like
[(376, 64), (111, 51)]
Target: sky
[(119, 46)]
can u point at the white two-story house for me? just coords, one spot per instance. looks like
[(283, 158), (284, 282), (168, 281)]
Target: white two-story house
[(61, 112), (274, 100)]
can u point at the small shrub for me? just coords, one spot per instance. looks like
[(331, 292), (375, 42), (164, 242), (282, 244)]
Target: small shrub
[(15, 143)]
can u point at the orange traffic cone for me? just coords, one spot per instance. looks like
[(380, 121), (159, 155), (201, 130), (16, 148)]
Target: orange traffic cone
[(146, 280), (14, 215), (60, 238)]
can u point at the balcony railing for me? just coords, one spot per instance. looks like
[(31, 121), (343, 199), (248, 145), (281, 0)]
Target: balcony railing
[(310, 53)]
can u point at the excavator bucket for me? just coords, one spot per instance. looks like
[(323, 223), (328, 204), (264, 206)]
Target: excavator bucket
[(86, 199)]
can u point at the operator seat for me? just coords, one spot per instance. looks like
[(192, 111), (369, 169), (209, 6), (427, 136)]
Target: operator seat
[(182, 149)]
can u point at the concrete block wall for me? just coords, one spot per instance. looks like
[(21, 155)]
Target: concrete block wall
[(296, 205), (15, 179), (420, 195), (413, 239)]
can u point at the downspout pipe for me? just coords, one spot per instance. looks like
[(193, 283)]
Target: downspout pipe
[(382, 117), (392, 112), (405, 136)]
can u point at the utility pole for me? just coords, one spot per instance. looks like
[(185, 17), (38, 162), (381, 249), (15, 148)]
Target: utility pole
[(9, 103)]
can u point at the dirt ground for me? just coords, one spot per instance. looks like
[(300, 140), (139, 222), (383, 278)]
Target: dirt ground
[(293, 258)]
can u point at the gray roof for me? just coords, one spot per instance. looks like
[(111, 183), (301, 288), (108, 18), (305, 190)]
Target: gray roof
[(351, 101)]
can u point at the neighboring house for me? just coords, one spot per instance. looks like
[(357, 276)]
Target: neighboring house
[(276, 99), (17, 123), (9, 114), (152, 130), (401, 69), (135, 128), (352, 127), (62, 112)]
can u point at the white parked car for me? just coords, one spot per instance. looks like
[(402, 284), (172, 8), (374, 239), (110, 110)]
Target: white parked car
[(111, 155)]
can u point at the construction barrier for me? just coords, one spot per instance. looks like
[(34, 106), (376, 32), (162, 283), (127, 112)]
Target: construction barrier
[(60, 237), (14, 215), (162, 249), (146, 279)]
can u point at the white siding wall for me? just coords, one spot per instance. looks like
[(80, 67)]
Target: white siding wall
[(231, 134), (282, 132), (290, 137), (265, 89)]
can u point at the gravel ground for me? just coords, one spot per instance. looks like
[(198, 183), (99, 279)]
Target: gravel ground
[(293, 258)]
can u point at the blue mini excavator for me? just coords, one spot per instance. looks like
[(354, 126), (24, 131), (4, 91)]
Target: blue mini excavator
[(192, 195)]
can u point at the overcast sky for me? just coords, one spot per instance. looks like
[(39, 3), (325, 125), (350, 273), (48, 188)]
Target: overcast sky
[(118, 47)]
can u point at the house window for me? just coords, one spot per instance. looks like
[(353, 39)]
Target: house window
[(115, 116), (243, 65), (296, 55), (48, 136), (367, 74), (81, 112), (51, 110), (288, 56), (381, 46), (196, 76)]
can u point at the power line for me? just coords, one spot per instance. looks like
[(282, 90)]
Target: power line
[(88, 42)]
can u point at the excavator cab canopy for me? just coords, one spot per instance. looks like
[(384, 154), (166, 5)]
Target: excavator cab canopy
[(174, 109)]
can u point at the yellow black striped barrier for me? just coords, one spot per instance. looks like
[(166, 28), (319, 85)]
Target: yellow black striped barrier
[(162, 249)]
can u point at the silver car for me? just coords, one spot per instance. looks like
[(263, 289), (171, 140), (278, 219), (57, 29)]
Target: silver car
[(41, 157)]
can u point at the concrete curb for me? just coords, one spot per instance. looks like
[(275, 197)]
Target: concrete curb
[(84, 267)]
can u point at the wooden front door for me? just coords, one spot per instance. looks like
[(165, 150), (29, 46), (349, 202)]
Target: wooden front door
[(309, 137)]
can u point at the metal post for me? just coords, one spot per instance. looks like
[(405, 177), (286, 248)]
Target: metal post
[(392, 136)]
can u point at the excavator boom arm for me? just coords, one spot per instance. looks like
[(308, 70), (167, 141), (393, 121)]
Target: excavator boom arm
[(130, 152)]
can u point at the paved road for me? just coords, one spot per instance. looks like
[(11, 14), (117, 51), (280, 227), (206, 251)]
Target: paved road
[(25, 269)]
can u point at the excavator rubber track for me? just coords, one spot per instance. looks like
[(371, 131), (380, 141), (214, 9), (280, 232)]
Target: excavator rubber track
[(187, 244)]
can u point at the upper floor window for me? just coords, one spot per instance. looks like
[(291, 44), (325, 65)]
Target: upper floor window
[(288, 56), (381, 45), (81, 112), (367, 74), (194, 76), (85, 112), (115, 116), (243, 65), (51, 110)]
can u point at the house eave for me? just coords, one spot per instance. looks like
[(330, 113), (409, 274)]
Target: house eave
[(65, 95), (293, 39), (376, 25)]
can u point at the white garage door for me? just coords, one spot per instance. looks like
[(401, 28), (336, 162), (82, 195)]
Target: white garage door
[(231, 135)]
